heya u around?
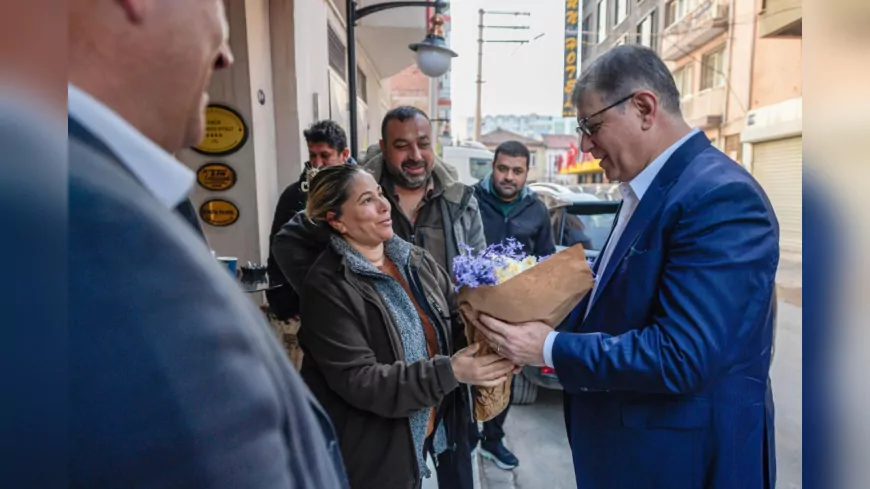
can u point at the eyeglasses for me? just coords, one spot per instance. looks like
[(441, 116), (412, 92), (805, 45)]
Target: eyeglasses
[(583, 126)]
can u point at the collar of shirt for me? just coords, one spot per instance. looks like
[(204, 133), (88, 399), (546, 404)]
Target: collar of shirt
[(163, 176), (644, 179)]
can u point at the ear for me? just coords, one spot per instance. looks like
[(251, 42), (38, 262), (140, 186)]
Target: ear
[(136, 10), (648, 106), (383, 146), (335, 223), (345, 154)]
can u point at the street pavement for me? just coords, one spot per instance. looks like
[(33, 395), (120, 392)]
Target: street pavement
[(536, 433)]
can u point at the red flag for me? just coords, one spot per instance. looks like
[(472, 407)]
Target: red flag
[(572, 155)]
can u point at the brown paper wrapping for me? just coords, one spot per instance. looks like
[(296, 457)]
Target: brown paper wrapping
[(547, 292)]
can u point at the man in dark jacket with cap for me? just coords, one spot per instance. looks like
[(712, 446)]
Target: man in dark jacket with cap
[(509, 209), (327, 146)]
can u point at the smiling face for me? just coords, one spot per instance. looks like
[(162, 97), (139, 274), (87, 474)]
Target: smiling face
[(365, 215), (619, 134), (509, 176), (408, 151)]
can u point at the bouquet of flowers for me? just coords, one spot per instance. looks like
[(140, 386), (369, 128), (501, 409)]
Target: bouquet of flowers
[(505, 283)]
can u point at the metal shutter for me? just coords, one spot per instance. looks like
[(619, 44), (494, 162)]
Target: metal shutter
[(778, 167)]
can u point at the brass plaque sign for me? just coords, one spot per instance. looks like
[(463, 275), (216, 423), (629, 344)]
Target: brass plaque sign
[(216, 176), (225, 131), (219, 212)]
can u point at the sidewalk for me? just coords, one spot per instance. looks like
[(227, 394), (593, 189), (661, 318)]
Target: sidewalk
[(789, 282)]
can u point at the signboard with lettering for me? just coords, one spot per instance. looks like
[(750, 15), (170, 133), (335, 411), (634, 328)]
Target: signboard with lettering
[(225, 131), (216, 176), (572, 14), (219, 212)]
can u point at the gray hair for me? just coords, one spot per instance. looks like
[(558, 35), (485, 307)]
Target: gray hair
[(622, 70)]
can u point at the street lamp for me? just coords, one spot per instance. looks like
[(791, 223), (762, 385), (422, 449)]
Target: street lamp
[(433, 55)]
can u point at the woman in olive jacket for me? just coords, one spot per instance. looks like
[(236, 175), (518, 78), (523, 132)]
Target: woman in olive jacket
[(378, 333)]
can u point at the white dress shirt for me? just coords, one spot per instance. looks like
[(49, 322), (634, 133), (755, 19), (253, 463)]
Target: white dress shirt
[(632, 194), (161, 174)]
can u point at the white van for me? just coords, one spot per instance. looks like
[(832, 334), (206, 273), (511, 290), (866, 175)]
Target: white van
[(472, 161)]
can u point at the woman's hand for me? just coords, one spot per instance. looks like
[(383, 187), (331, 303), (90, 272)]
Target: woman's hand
[(486, 371)]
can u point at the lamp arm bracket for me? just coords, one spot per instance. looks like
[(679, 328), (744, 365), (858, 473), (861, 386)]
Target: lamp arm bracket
[(377, 7)]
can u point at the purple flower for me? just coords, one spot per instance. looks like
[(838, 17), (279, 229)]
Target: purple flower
[(472, 269)]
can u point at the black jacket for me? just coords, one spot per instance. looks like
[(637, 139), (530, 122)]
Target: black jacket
[(284, 301), (528, 221)]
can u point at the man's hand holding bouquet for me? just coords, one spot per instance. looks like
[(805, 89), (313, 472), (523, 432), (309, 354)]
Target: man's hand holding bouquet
[(505, 283)]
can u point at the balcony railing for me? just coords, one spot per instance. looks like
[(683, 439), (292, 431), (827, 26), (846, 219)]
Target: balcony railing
[(704, 110), (698, 27)]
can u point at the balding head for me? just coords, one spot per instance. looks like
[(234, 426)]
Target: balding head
[(628, 110), (151, 61)]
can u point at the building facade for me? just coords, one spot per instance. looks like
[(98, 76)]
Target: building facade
[(772, 137), (530, 125), (538, 160), (737, 65), (608, 23), (290, 70)]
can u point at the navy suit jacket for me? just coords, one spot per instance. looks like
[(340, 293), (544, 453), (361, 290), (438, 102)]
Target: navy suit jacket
[(666, 380), (176, 380)]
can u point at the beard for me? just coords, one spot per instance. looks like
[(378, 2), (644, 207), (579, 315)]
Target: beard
[(405, 179), (506, 192)]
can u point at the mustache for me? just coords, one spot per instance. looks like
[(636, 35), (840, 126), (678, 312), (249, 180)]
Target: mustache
[(414, 163)]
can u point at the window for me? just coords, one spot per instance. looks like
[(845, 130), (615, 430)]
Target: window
[(622, 40), (601, 26), (712, 65), (361, 85), (480, 167), (734, 148), (621, 11), (533, 161), (337, 54), (586, 38), (671, 13), (646, 31), (684, 78)]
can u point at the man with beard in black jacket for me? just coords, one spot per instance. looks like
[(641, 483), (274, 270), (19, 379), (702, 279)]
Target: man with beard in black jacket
[(509, 209), (327, 146)]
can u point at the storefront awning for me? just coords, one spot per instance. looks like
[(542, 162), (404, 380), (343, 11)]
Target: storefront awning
[(583, 167)]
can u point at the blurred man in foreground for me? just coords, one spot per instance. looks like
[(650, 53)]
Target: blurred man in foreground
[(175, 379)]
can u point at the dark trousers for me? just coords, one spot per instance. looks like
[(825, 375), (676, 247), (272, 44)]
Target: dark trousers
[(454, 466)]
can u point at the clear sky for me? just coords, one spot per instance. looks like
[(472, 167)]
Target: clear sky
[(518, 79)]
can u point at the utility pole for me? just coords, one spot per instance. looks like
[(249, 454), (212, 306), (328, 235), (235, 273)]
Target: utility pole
[(480, 41), (479, 75)]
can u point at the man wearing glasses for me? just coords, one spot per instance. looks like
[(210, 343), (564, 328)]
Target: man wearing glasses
[(665, 368)]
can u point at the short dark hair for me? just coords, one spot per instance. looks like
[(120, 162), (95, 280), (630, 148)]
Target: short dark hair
[(513, 148), (401, 114), (328, 132), (624, 69)]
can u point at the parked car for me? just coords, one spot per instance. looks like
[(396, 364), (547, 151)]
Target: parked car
[(576, 218)]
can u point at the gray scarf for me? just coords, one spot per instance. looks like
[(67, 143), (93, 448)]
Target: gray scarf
[(410, 326)]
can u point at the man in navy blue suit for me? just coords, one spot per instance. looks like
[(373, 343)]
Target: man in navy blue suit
[(665, 370)]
